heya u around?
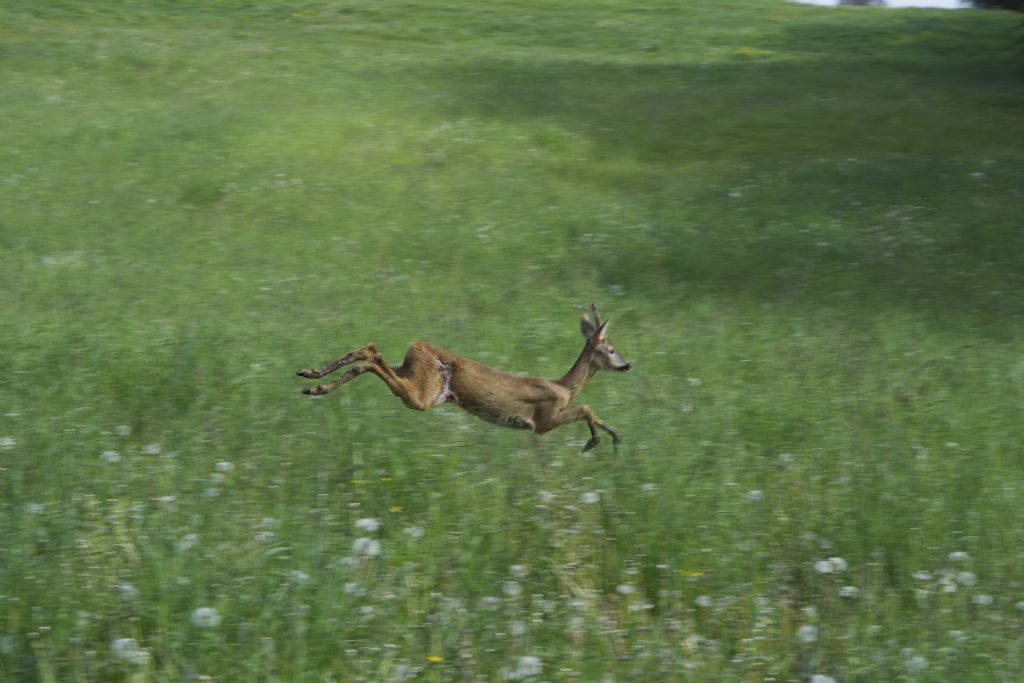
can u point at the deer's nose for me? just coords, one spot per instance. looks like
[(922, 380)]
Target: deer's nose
[(625, 367)]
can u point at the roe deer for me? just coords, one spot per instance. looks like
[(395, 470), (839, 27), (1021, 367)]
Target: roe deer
[(430, 376)]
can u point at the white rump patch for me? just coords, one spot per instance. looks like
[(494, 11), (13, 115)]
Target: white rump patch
[(446, 382)]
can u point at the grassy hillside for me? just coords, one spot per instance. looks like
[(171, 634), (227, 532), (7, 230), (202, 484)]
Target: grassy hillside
[(803, 223)]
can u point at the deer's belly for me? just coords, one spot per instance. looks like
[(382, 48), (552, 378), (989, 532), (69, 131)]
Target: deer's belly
[(515, 421)]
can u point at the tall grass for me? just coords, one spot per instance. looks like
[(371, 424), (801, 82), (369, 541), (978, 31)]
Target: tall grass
[(803, 224)]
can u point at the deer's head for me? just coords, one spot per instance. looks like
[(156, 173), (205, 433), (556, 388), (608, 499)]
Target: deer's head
[(602, 351)]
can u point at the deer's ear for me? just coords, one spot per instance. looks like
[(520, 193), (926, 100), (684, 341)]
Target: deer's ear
[(599, 334), (586, 327)]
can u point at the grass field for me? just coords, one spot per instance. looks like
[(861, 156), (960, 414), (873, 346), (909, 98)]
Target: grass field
[(803, 223)]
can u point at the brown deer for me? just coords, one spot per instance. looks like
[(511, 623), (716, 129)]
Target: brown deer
[(430, 376)]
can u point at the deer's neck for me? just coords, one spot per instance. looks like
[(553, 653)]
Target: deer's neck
[(579, 374)]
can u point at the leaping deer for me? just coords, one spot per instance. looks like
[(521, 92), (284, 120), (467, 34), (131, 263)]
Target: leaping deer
[(430, 376)]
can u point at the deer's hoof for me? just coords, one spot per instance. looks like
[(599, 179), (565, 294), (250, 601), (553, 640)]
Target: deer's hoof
[(594, 440), (308, 374), (313, 391)]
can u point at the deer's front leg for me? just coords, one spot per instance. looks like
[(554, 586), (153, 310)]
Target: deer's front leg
[(581, 413)]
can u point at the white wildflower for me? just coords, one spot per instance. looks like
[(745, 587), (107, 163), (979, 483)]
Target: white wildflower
[(694, 641), (366, 546), (111, 456), (127, 592), (264, 537), (224, 466), (755, 495), (625, 589), (649, 487), (512, 588), (822, 678), (299, 576), (128, 649), (958, 556), (589, 497), (122, 430), (704, 601), (414, 532), (807, 634), (526, 667), (368, 524), (917, 663), (7, 442), (490, 603), (922, 575), (187, 542), (832, 564), (849, 592), (982, 600), (966, 578), (205, 617), (151, 449)]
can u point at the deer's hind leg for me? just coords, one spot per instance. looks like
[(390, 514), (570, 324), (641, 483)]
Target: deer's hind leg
[(321, 389), (421, 382), (365, 353)]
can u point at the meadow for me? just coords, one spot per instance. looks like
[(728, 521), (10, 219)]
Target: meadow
[(804, 225)]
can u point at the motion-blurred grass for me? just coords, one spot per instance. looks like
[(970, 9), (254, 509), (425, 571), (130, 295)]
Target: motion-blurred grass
[(803, 223)]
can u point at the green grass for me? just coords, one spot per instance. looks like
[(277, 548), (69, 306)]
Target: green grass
[(804, 224)]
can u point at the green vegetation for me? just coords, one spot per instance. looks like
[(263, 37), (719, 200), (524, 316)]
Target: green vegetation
[(803, 223)]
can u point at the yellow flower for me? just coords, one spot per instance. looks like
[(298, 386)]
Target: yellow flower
[(434, 659), (395, 508)]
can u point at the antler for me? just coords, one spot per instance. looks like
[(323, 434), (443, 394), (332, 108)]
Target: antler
[(593, 310)]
